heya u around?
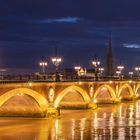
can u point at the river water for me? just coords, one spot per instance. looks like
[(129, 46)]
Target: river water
[(108, 122)]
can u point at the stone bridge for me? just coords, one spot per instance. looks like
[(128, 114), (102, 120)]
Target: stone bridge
[(71, 94)]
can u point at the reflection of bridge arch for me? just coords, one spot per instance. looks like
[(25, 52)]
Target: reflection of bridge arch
[(35, 95), (66, 90), (111, 91), (126, 86)]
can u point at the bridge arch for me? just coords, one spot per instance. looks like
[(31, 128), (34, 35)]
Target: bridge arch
[(126, 86), (109, 88), (66, 90), (137, 89), (35, 95)]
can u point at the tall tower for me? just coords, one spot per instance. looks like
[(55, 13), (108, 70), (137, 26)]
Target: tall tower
[(109, 59)]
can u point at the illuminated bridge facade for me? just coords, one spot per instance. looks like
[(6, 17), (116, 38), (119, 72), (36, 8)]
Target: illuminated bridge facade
[(69, 94)]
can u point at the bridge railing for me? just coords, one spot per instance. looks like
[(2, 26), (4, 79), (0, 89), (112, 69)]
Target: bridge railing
[(51, 78)]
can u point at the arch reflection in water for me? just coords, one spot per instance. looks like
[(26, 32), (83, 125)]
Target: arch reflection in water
[(120, 121), (21, 105)]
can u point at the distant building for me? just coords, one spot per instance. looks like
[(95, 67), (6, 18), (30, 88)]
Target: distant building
[(90, 73), (110, 59), (70, 73)]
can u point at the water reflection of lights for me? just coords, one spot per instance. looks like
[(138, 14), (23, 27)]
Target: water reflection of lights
[(138, 106), (131, 108), (120, 113), (82, 127), (131, 114), (112, 115), (95, 123), (73, 129), (111, 133), (111, 119), (121, 133), (137, 110), (104, 115), (111, 122), (137, 133), (130, 132), (57, 129)]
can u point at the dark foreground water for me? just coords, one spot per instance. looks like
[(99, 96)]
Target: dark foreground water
[(108, 122)]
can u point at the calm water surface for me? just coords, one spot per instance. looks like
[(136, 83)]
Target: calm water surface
[(108, 122)]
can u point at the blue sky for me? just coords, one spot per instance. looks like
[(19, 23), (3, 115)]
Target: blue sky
[(80, 29)]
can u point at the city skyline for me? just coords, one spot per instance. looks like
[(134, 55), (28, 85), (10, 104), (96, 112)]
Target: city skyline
[(32, 29)]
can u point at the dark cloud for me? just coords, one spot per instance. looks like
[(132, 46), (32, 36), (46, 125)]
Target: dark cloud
[(92, 9), (31, 29)]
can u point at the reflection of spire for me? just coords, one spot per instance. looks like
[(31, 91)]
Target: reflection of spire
[(109, 59)]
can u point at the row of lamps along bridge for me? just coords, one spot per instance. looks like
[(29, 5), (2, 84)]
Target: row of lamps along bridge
[(81, 71)]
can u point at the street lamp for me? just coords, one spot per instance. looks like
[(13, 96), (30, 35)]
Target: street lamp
[(120, 69), (96, 63), (131, 74), (77, 69), (56, 61), (137, 69), (43, 64), (101, 70), (118, 73)]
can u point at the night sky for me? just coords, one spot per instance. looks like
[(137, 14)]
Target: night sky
[(30, 29)]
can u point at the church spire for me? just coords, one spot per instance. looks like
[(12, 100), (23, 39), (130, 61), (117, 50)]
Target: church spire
[(109, 59)]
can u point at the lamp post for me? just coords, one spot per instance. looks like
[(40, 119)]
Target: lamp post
[(131, 74), (120, 68), (77, 69), (43, 64), (56, 61), (101, 70), (96, 63), (137, 69), (118, 73)]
